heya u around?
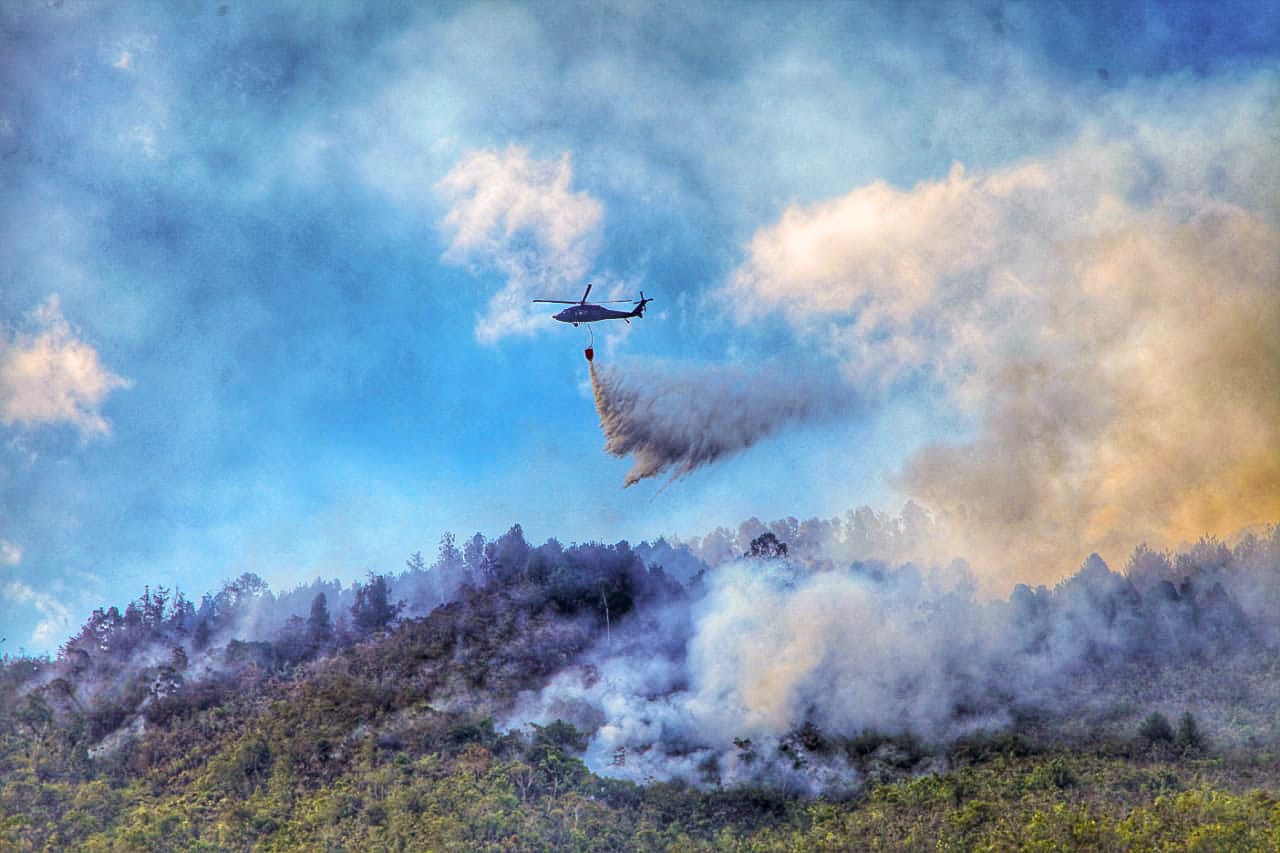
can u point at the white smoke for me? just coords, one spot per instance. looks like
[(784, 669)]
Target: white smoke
[(720, 688), (769, 647)]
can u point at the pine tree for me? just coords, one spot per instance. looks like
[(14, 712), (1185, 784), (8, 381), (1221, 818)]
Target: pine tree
[(767, 547), (319, 625), (1156, 728), (1188, 738), (373, 610)]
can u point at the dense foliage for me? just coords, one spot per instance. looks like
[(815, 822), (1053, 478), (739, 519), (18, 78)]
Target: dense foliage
[(347, 724)]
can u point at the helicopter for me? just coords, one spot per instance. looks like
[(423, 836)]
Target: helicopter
[(588, 312)]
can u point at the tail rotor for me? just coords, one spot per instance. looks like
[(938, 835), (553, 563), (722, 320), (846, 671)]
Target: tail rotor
[(640, 304)]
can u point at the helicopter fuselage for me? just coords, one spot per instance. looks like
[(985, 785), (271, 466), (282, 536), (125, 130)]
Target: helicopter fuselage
[(588, 313)]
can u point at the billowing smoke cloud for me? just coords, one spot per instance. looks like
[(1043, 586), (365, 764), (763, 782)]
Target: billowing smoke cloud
[(1105, 315), (518, 215), (773, 667), (678, 419), (768, 648)]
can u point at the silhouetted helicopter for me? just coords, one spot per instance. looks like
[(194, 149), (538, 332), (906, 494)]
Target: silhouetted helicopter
[(589, 312)]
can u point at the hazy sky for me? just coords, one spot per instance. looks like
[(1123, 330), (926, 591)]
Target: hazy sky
[(265, 271)]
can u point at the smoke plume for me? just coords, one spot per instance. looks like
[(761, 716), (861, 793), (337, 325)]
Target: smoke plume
[(680, 419), (783, 671), (1105, 316)]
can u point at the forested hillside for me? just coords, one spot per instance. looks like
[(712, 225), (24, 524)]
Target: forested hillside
[(586, 697)]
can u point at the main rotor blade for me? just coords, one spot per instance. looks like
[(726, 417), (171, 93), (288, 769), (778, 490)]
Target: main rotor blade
[(575, 302), (602, 302)]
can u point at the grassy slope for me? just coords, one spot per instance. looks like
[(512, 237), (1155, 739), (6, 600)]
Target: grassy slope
[(503, 795), (390, 745)]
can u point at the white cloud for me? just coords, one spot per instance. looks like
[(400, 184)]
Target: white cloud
[(1107, 315), (10, 553), (517, 215), (879, 261), (55, 617), (51, 376)]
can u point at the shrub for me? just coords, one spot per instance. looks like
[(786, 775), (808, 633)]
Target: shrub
[(1156, 728), (1188, 738)]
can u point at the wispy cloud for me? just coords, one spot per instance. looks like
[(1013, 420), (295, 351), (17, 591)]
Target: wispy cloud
[(55, 618), (50, 376), (10, 553), (517, 215)]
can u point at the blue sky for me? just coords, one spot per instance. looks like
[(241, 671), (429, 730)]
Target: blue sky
[(243, 329)]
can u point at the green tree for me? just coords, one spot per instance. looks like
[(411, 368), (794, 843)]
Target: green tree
[(449, 566), (319, 625), (767, 547), (1188, 738), (1156, 728), (373, 610), (473, 556)]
